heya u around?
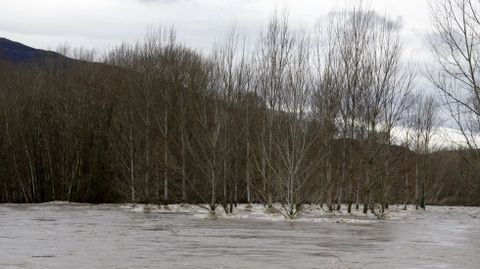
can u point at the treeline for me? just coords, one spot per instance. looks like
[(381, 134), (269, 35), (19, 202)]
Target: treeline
[(300, 117)]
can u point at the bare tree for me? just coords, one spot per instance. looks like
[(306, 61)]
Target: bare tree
[(456, 52), (273, 55), (423, 123)]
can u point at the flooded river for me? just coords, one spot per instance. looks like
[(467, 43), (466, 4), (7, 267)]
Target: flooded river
[(61, 235)]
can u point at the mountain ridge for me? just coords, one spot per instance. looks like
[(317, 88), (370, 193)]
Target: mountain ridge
[(16, 52)]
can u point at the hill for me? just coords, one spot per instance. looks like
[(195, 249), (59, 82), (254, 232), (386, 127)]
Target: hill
[(16, 52)]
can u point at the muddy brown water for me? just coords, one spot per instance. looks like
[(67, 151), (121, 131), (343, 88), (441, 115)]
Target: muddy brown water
[(62, 235)]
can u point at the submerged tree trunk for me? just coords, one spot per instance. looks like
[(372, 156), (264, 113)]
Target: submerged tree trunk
[(357, 196), (339, 200), (366, 197), (247, 165), (330, 187), (406, 193), (132, 164), (184, 168), (417, 202), (213, 198), (165, 150)]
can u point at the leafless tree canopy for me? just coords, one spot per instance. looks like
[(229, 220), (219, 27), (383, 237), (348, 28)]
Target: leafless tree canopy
[(299, 117), (456, 50)]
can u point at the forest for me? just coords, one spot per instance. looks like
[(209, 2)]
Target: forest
[(330, 115)]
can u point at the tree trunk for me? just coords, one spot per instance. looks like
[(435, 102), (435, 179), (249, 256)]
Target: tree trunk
[(366, 197), (330, 187), (416, 185), (184, 168), (165, 152)]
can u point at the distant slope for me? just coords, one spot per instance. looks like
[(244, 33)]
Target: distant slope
[(16, 52)]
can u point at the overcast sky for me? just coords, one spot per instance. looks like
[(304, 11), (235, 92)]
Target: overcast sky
[(103, 23)]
